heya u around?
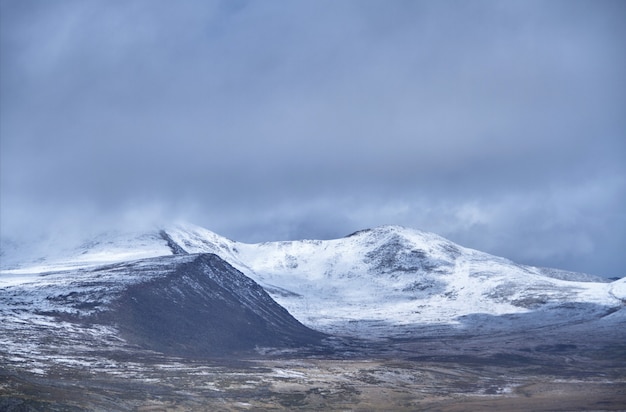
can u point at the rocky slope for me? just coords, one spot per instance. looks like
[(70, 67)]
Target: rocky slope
[(184, 305)]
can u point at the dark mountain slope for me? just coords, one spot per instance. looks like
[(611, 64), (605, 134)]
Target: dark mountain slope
[(204, 307)]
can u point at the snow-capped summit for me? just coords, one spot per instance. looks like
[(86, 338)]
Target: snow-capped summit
[(394, 278), (380, 281)]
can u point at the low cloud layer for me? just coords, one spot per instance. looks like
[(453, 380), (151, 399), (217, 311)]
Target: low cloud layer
[(500, 125)]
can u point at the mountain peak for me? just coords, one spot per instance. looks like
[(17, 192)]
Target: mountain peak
[(380, 230), (388, 275)]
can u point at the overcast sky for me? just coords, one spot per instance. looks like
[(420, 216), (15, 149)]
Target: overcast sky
[(498, 124)]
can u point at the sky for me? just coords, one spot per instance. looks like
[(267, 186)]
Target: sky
[(500, 125)]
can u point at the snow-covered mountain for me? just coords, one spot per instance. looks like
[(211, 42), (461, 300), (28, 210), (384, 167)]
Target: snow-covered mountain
[(182, 318), (387, 281), (393, 280)]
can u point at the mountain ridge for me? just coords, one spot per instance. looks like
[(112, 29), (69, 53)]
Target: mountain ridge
[(385, 281), (390, 280), (132, 245)]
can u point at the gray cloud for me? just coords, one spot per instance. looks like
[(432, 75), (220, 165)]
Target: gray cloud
[(498, 124)]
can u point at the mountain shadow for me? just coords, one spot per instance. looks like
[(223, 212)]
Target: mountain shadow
[(205, 307)]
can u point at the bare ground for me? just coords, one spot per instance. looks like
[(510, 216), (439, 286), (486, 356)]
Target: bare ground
[(449, 374)]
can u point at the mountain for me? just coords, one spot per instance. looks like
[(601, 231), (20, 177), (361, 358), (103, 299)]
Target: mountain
[(390, 318), (382, 282), (394, 281)]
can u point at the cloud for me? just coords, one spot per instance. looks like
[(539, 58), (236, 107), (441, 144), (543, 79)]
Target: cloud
[(492, 123)]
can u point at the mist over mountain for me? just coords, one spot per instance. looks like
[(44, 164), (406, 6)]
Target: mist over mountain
[(502, 131)]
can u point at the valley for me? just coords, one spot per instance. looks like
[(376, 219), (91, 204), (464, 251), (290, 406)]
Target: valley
[(430, 374)]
